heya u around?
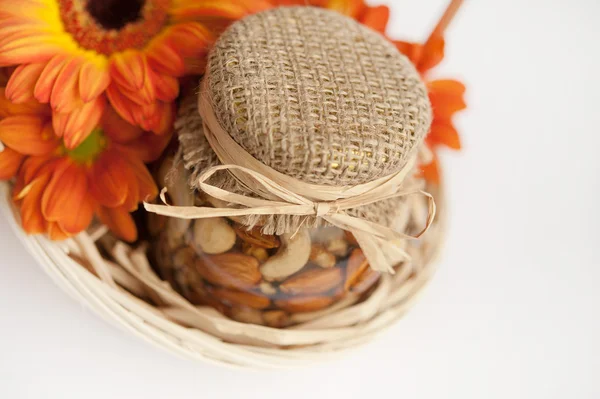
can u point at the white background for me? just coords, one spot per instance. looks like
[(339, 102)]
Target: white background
[(513, 311)]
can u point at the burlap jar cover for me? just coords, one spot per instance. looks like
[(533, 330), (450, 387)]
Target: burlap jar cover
[(304, 120)]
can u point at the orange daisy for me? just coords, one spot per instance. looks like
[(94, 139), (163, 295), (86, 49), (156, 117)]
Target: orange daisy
[(446, 96), (73, 53), (59, 190)]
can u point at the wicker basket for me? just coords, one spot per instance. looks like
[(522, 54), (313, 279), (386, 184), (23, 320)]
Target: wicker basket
[(117, 282)]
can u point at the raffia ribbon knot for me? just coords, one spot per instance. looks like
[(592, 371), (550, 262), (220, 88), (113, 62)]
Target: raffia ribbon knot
[(279, 194), (369, 235), (324, 208)]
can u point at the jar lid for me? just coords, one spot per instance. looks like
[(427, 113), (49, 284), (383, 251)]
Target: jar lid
[(317, 96)]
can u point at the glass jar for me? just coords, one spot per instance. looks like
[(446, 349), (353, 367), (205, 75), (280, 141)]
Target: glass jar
[(256, 278)]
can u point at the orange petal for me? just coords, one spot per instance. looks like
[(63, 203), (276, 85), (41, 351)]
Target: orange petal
[(123, 105), (117, 128), (376, 18), (33, 165), (147, 189), (10, 162), (145, 95), (156, 116), (28, 135), (16, 32), (29, 50), (22, 82), (108, 178), (444, 133), (65, 93), (447, 98), (93, 80), (149, 147), (163, 58), (45, 83), (31, 107), (433, 53), (232, 10), (128, 69), (412, 50), (350, 8), (431, 172), (32, 219), (56, 233), (166, 87), (132, 201), (76, 126), (189, 38), (119, 221), (165, 117), (449, 87), (66, 200)]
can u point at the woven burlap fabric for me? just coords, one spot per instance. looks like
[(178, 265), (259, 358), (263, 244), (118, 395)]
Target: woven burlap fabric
[(197, 156), (317, 96)]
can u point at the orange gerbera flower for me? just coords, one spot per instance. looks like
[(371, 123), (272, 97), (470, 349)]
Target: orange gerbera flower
[(446, 96), (59, 190), (72, 53)]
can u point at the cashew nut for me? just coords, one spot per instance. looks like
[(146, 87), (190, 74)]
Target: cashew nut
[(214, 235), (291, 257)]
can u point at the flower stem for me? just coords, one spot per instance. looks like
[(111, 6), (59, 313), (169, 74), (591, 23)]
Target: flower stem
[(445, 20)]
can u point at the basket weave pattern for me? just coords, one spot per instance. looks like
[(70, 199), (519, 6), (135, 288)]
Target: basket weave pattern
[(124, 290)]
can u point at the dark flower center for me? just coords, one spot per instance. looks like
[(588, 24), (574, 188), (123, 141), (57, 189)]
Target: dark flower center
[(115, 14)]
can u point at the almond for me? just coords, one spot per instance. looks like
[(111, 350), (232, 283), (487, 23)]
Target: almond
[(321, 257), (256, 238), (313, 281), (304, 304), (365, 281), (357, 264), (184, 257), (350, 238), (276, 318), (230, 270), (246, 315), (241, 298)]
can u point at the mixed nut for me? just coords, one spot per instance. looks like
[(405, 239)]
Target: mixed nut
[(220, 263), (253, 277)]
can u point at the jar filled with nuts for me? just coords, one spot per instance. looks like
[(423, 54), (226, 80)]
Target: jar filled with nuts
[(297, 182)]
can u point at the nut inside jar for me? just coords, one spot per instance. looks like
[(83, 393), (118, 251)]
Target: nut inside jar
[(257, 278)]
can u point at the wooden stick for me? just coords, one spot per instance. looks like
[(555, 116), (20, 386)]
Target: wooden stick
[(445, 20)]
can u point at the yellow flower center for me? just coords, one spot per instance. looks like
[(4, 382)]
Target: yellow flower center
[(89, 149), (109, 26)]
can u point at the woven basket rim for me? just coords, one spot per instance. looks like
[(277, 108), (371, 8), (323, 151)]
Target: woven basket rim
[(157, 326)]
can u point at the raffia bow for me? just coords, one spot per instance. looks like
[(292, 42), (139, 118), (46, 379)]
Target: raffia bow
[(279, 194)]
